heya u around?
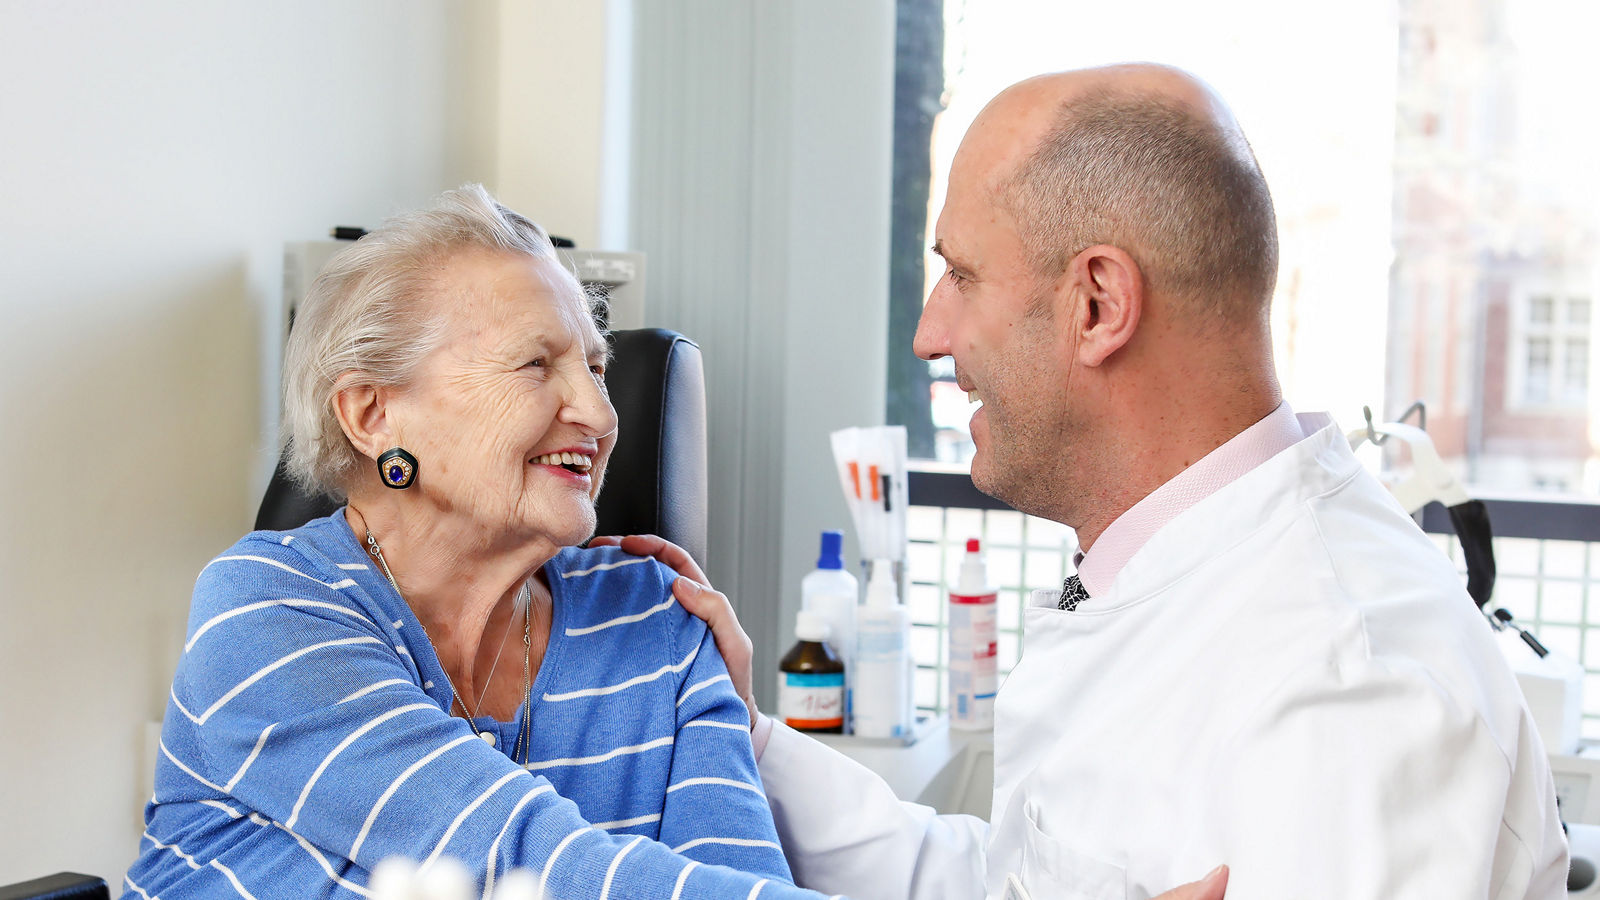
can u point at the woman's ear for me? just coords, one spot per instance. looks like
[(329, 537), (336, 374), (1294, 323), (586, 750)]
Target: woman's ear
[(1112, 291), (362, 411)]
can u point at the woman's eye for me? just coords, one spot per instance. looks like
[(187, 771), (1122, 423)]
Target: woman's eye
[(535, 363), (598, 370), (955, 277)]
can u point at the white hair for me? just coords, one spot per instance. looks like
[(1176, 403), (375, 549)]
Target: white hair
[(365, 317)]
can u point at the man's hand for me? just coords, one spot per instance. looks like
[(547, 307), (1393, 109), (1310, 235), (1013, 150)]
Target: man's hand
[(1207, 888), (696, 595)]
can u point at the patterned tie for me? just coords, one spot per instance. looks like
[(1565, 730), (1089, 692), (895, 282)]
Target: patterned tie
[(1072, 593)]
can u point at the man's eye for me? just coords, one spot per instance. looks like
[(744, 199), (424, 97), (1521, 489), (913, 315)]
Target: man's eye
[(598, 369), (955, 277), (535, 363)]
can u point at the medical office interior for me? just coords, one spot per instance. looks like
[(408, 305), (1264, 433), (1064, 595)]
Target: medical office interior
[(776, 165)]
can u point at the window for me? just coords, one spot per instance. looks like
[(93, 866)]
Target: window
[(1416, 195), (1551, 374)]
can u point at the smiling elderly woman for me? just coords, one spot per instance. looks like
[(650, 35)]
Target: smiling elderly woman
[(435, 669)]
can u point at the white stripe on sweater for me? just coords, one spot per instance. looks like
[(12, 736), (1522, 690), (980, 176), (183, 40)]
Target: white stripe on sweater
[(708, 723), (377, 685), (631, 682), (477, 802), (232, 813), (190, 772), (720, 782), (591, 760), (139, 889), (271, 667), (544, 876), (321, 860), (366, 827), (731, 841), (228, 788), (677, 889), (606, 567), (179, 704), (494, 848), (757, 889), (174, 849), (627, 823), (611, 870), (233, 878), (622, 620), (272, 562), (352, 738), (701, 685), (259, 821), (267, 604)]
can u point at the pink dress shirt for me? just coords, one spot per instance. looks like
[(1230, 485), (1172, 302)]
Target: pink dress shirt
[(1100, 564)]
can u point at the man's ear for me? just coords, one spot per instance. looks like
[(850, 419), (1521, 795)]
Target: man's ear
[(362, 411), (1111, 289)]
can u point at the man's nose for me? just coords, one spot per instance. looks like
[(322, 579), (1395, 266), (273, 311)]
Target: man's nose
[(932, 340)]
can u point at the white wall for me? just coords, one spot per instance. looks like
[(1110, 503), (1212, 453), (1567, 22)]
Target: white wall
[(562, 144), (761, 178), (157, 155)]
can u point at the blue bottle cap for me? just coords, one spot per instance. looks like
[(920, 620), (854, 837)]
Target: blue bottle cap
[(832, 544)]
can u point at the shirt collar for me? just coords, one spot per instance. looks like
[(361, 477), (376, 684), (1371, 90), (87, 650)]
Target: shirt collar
[(1099, 567)]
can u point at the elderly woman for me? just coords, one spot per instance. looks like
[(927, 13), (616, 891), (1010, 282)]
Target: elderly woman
[(436, 669)]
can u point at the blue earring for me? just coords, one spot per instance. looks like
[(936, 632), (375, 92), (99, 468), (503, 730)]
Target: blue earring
[(397, 468)]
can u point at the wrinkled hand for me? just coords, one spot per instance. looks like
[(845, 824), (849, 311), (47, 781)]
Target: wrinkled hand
[(1210, 887), (697, 596)]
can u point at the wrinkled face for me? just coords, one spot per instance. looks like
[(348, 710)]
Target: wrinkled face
[(509, 418), (1011, 362)]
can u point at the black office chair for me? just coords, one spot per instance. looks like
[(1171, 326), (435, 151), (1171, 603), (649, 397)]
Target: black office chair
[(61, 886), (656, 480)]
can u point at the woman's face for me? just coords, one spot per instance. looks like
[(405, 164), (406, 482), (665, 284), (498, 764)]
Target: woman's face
[(515, 383)]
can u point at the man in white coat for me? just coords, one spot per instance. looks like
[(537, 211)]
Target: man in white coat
[(1262, 660)]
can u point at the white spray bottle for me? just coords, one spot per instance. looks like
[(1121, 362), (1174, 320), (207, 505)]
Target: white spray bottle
[(882, 696)]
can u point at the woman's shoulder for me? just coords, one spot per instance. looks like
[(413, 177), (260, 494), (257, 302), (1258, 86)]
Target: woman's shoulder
[(318, 557), (605, 585)]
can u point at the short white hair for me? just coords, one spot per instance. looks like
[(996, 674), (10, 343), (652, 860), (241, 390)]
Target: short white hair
[(365, 316)]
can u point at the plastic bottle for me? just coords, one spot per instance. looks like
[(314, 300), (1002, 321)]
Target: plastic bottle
[(811, 679), (833, 594), (883, 659), (973, 675)]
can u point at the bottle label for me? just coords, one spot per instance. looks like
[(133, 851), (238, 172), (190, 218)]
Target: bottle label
[(811, 701), (973, 654)]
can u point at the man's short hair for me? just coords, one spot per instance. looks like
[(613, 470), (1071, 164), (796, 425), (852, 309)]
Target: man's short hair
[(1140, 172)]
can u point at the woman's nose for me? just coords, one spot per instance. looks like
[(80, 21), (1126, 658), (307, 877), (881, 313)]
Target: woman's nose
[(588, 406)]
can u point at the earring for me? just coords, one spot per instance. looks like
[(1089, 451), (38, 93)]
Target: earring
[(397, 468)]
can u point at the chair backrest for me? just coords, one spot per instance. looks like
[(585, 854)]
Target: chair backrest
[(656, 481), (60, 886)]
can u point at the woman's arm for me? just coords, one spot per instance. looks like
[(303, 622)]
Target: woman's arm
[(715, 809), (308, 714)]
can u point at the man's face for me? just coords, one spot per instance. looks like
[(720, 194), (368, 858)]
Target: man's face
[(1011, 357)]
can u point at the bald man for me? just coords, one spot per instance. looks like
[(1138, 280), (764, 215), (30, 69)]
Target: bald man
[(1262, 661)]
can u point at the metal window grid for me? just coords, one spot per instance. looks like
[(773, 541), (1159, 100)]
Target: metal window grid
[(1547, 556)]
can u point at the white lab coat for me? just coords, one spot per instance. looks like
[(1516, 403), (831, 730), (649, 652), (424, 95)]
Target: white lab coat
[(1288, 678)]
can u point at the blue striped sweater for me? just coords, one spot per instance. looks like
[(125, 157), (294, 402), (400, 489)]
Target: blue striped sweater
[(307, 737)]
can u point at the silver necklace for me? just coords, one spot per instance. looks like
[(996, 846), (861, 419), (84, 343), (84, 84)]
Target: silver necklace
[(524, 600), (523, 733)]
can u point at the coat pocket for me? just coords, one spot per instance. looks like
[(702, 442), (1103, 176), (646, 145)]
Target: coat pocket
[(1051, 869)]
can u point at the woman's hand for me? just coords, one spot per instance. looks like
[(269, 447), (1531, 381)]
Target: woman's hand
[(696, 595), (1210, 887)]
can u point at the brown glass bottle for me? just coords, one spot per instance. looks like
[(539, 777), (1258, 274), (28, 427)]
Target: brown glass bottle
[(811, 680)]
